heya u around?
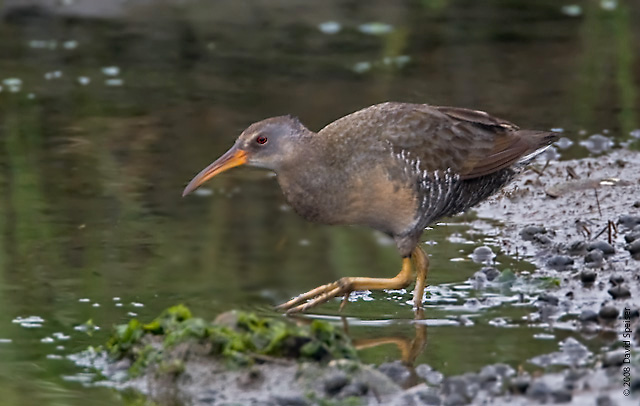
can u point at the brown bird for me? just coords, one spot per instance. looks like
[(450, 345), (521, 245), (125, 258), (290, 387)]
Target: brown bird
[(395, 167)]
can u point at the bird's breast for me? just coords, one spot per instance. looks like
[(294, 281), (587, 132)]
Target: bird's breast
[(366, 197)]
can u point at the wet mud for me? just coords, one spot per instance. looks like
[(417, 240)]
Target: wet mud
[(577, 221)]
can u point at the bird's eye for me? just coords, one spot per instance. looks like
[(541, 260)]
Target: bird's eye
[(261, 140)]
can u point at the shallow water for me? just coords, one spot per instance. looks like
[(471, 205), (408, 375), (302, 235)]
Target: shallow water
[(104, 120)]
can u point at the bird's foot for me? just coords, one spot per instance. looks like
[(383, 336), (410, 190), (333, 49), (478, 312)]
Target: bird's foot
[(319, 295)]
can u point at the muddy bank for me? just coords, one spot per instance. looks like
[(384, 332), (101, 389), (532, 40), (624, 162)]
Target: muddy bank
[(577, 221)]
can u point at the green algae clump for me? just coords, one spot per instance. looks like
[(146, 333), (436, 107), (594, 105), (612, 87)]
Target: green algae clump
[(240, 338)]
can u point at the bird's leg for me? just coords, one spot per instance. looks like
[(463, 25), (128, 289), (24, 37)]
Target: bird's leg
[(344, 286), (422, 268)]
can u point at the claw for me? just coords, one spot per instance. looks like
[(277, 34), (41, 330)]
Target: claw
[(318, 296), (345, 286)]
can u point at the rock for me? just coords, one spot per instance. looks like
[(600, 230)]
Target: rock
[(594, 258), (587, 276), (529, 232), (519, 385), (560, 262), (454, 385), (434, 377), (539, 391), (542, 239), (504, 370), (490, 272), (573, 375), (613, 359), (422, 370), (429, 399), (634, 248), (473, 384), (577, 248), (397, 372), (421, 395), (587, 316), (334, 382), (632, 236), (616, 279), (488, 374), (357, 388), (290, 401), (482, 254), (628, 220), (478, 280), (549, 298), (608, 313), (561, 396), (604, 400), (455, 399), (408, 400), (603, 246), (619, 292)]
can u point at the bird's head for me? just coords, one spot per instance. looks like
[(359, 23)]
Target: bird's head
[(266, 144)]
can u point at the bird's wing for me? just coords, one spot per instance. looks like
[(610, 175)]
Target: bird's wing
[(469, 142)]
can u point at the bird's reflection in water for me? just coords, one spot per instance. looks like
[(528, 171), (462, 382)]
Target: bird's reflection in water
[(410, 347)]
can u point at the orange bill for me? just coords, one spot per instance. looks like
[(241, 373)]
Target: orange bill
[(232, 158)]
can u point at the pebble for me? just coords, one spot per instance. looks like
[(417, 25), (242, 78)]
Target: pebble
[(429, 399), (594, 258), (616, 279), (434, 377), (549, 298), (603, 246), (473, 384), (587, 316), (455, 399), (529, 232), (519, 385), (488, 374), (619, 292), (604, 400), (291, 401), (542, 239), (482, 254), (577, 248), (397, 372), (632, 236), (613, 359), (560, 262), (356, 388), (561, 396), (334, 383), (634, 248), (573, 375), (608, 313), (587, 276), (454, 385), (490, 272), (628, 220), (505, 370), (539, 391)]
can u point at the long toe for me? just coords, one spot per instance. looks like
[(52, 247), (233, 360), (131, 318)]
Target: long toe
[(312, 296)]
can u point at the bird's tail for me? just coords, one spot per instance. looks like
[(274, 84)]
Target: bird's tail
[(539, 141)]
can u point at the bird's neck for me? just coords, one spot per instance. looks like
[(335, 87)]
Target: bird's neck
[(308, 179)]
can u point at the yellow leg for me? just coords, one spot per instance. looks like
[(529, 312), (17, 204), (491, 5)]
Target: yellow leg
[(422, 268), (344, 286)]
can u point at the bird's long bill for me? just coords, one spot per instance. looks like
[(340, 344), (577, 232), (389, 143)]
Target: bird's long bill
[(232, 158)]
